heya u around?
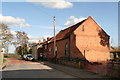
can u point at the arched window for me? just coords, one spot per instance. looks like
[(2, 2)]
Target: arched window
[(49, 50), (67, 50)]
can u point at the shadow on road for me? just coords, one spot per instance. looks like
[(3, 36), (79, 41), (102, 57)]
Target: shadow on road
[(34, 73)]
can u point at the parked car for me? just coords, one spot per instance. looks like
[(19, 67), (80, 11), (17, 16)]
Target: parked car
[(29, 57)]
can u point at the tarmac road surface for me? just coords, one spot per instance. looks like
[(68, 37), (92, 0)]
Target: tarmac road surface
[(26, 69)]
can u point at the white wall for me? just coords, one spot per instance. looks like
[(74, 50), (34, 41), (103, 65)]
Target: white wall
[(34, 52)]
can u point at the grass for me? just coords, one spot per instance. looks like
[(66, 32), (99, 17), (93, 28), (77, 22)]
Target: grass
[(4, 60), (12, 56)]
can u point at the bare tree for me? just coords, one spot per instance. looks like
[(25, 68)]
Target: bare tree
[(5, 37), (22, 40), (15, 43)]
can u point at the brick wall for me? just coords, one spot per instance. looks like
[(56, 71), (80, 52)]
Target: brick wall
[(88, 41), (60, 49), (91, 41)]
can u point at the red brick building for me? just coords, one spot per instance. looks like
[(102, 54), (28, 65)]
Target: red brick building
[(84, 40)]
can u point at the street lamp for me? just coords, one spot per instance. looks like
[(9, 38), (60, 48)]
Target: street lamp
[(54, 36)]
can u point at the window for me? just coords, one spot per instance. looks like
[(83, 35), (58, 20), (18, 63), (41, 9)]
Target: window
[(45, 46), (67, 50), (56, 48), (49, 50), (55, 54)]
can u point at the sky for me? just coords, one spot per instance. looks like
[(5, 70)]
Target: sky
[(36, 19)]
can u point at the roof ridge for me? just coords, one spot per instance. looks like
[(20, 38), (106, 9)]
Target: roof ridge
[(66, 32), (74, 25)]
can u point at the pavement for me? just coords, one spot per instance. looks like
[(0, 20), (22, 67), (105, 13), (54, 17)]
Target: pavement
[(79, 73)]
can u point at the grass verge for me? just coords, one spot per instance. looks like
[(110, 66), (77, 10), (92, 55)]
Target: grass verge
[(4, 60)]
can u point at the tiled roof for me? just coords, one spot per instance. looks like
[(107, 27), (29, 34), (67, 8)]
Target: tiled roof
[(63, 34), (66, 32)]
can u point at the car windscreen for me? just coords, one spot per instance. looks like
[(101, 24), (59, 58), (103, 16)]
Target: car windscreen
[(30, 56)]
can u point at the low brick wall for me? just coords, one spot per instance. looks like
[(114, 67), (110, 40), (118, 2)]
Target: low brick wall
[(80, 65), (113, 73), (103, 68), (113, 68), (97, 68)]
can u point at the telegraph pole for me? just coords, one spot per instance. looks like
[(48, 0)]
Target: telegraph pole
[(54, 36)]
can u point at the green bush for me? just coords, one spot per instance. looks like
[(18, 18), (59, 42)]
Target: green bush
[(4, 60)]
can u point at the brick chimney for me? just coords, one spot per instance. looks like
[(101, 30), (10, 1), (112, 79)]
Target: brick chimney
[(48, 38), (39, 41), (44, 40)]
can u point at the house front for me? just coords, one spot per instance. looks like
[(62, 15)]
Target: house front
[(37, 50), (115, 54), (85, 40)]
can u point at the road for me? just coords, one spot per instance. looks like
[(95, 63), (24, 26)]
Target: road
[(26, 69)]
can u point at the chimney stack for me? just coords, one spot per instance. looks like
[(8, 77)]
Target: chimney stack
[(39, 41), (44, 40), (48, 38)]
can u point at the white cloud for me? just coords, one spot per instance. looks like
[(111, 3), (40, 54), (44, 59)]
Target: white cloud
[(58, 0), (72, 17), (98, 0), (73, 20), (24, 25), (13, 32), (43, 0), (32, 38), (37, 38), (48, 27), (11, 21), (60, 4)]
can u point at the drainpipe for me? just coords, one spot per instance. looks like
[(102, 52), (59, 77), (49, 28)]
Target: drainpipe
[(84, 53)]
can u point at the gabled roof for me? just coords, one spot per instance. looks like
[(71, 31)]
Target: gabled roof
[(63, 34), (99, 26)]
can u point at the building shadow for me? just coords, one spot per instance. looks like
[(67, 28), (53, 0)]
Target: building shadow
[(34, 73)]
